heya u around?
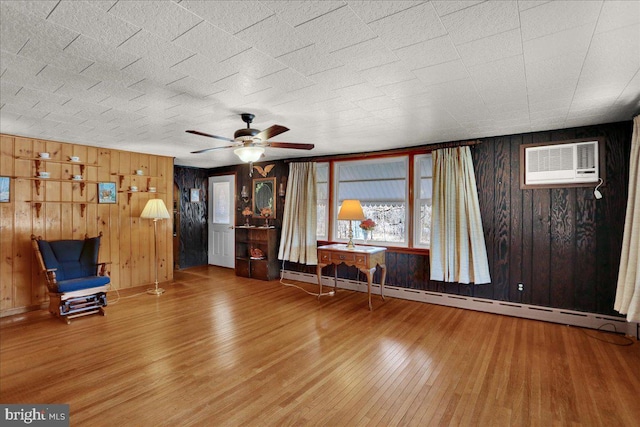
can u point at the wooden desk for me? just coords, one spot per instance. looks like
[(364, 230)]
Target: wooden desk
[(366, 258)]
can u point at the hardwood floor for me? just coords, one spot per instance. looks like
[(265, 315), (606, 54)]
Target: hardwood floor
[(216, 349)]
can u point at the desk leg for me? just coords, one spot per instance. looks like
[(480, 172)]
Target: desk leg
[(369, 273), (383, 267), (319, 274)]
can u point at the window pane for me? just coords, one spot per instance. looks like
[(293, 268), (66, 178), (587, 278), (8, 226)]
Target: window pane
[(322, 209), (381, 187), (424, 225), (422, 204), (426, 187), (221, 203)]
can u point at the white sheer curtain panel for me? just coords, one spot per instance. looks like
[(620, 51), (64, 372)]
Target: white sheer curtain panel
[(458, 251), (298, 241), (628, 290)]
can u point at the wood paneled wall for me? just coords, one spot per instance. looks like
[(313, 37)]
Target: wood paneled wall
[(127, 240), (280, 172), (193, 216), (562, 244)]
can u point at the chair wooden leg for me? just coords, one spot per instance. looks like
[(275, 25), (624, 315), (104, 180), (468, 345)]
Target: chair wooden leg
[(54, 304)]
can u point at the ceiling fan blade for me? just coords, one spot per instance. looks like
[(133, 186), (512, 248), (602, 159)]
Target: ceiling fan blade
[(271, 132), (211, 149), (195, 132), (293, 145)]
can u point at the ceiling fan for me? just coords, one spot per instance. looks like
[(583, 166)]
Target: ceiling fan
[(251, 142)]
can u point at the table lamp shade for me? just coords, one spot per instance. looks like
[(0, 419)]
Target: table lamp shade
[(351, 210), (155, 209)]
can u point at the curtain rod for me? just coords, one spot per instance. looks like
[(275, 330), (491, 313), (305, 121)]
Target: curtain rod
[(407, 150)]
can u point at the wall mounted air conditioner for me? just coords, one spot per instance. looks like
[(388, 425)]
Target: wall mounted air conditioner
[(568, 164)]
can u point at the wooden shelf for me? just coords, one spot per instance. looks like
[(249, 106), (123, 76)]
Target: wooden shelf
[(83, 204), (129, 193), (135, 175), (263, 238), (38, 181), (39, 160)]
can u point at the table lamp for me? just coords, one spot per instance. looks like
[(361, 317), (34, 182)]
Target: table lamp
[(351, 210)]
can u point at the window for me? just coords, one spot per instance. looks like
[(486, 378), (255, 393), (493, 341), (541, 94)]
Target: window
[(381, 185), (322, 190), (423, 170)]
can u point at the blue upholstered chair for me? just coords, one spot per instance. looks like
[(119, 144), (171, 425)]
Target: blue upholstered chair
[(77, 283)]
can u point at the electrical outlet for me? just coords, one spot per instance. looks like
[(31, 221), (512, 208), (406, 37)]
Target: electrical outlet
[(520, 287)]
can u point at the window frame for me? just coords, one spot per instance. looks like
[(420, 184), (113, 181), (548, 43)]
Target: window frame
[(328, 200), (336, 164), (417, 201), (411, 153)]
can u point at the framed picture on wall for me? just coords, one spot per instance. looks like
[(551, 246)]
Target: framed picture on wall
[(5, 189), (195, 195), (107, 192)]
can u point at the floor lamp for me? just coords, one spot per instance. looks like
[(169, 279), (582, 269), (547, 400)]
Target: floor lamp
[(155, 210), (351, 210)]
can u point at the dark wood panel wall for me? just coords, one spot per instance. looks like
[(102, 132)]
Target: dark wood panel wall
[(193, 216), (280, 172), (562, 244)]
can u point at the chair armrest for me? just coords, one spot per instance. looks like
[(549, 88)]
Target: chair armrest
[(102, 268), (52, 282)]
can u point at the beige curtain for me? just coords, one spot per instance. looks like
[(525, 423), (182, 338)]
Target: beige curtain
[(628, 291), (298, 241), (458, 251)]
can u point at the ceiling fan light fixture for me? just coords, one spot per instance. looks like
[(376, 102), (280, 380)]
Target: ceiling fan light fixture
[(249, 154)]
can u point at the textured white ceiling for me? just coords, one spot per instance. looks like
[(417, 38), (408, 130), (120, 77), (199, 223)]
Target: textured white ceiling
[(348, 76)]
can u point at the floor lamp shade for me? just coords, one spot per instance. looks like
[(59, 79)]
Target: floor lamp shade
[(156, 210), (351, 210)]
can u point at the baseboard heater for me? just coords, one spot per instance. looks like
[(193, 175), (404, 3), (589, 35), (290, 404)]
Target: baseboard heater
[(507, 308)]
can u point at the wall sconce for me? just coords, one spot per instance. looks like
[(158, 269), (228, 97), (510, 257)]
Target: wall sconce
[(281, 190), (244, 194)]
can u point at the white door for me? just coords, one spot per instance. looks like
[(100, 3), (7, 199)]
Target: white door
[(222, 220)]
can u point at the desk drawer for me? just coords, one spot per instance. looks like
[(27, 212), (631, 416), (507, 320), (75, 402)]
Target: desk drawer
[(324, 257), (338, 257), (346, 257), (361, 260)]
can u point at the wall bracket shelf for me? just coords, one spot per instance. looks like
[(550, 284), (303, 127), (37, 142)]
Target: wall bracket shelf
[(38, 205), (130, 193), (38, 181), (38, 161), (122, 176)]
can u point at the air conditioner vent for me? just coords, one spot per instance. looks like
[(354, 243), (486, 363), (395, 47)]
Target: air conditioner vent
[(562, 163), (587, 156)]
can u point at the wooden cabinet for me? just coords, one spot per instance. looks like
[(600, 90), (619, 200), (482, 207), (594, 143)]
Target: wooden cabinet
[(257, 252)]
